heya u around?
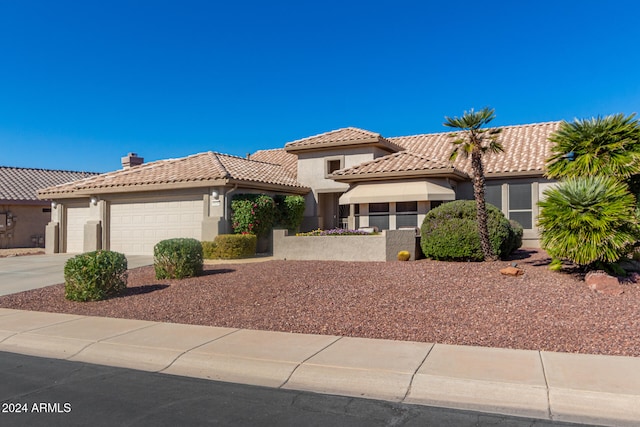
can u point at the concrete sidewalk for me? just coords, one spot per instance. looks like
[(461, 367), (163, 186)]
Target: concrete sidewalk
[(586, 389)]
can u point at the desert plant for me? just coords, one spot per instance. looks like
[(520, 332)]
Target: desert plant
[(472, 140), (177, 258), (608, 146), (449, 232), (253, 214), (587, 220), (234, 246), (404, 256), (94, 276)]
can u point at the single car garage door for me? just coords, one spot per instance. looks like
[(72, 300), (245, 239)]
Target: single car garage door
[(77, 217), (135, 228)]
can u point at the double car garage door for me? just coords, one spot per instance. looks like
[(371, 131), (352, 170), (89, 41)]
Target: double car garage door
[(136, 227)]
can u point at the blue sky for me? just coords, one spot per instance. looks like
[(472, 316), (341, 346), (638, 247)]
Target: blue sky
[(82, 83)]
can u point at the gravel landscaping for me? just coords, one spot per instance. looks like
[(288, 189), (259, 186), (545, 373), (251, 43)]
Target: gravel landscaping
[(429, 301)]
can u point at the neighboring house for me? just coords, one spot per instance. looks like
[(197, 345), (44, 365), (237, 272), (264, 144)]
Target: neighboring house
[(23, 217), (351, 178)]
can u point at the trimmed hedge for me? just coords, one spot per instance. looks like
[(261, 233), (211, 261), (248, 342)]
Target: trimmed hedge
[(450, 232), (231, 246), (177, 258), (94, 276)]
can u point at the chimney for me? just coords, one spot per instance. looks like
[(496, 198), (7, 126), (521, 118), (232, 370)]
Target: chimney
[(131, 160)]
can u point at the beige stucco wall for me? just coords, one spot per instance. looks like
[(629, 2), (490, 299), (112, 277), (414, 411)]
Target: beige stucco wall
[(381, 247), (27, 225)]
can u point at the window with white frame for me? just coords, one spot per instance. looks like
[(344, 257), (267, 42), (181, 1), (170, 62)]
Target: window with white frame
[(520, 205)]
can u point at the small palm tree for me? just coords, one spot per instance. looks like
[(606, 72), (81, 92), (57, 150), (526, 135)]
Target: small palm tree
[(608, 146), (472, 140), (588, 219)]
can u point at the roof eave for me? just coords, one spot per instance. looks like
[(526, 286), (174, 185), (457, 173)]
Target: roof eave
[(271, 186), (34, 202), (517, 174), (451, 173), (85, 192), (371, 142)]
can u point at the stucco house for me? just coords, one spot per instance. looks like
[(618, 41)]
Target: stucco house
[(23, 216), (350, 177)]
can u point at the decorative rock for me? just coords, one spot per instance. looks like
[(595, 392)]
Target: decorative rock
[(512, 271), (634, 277), (603, 283)]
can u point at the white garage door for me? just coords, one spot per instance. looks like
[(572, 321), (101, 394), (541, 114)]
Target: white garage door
[(137, 227), (77, 217)]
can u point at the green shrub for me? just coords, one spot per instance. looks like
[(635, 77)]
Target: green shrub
[(514, 241), (450, 232), (94, 276), (253, 214), (290, 211), (588, 220), (177, 258), (209, 250), (234, 246)]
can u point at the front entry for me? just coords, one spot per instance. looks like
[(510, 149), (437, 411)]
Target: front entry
[(329, 211)]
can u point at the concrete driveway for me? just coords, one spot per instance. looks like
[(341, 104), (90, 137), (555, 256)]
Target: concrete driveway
[(22, 273)]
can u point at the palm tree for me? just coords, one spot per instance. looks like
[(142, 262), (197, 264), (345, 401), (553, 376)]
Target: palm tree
[(472, 140), (608, 146)]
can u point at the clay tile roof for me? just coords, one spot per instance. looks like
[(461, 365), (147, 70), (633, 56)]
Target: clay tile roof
[(402, 163), (196, 169), (340, 138), (278, 156), (242, 169), (526, 148), (22, 184)]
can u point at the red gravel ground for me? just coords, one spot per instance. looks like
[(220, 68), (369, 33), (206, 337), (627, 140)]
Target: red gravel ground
[(429, 301)]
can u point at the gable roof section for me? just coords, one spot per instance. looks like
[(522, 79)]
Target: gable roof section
[(278, 156), (346, 137), (22, 184), (526, 148), (402, 164), (198, 170)]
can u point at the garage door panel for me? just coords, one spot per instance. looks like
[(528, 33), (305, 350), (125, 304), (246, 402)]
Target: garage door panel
[(137, 227), (77, 217)]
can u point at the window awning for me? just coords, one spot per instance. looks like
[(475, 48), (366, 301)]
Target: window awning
[(400, 191)]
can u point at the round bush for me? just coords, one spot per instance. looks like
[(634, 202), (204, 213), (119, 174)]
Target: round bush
[(450, 232), (94, 276), (177, 258)]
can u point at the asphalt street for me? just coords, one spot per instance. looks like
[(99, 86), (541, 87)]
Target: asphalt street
[(49, 392)]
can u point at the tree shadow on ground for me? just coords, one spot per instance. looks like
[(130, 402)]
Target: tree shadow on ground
[(524, 255)]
